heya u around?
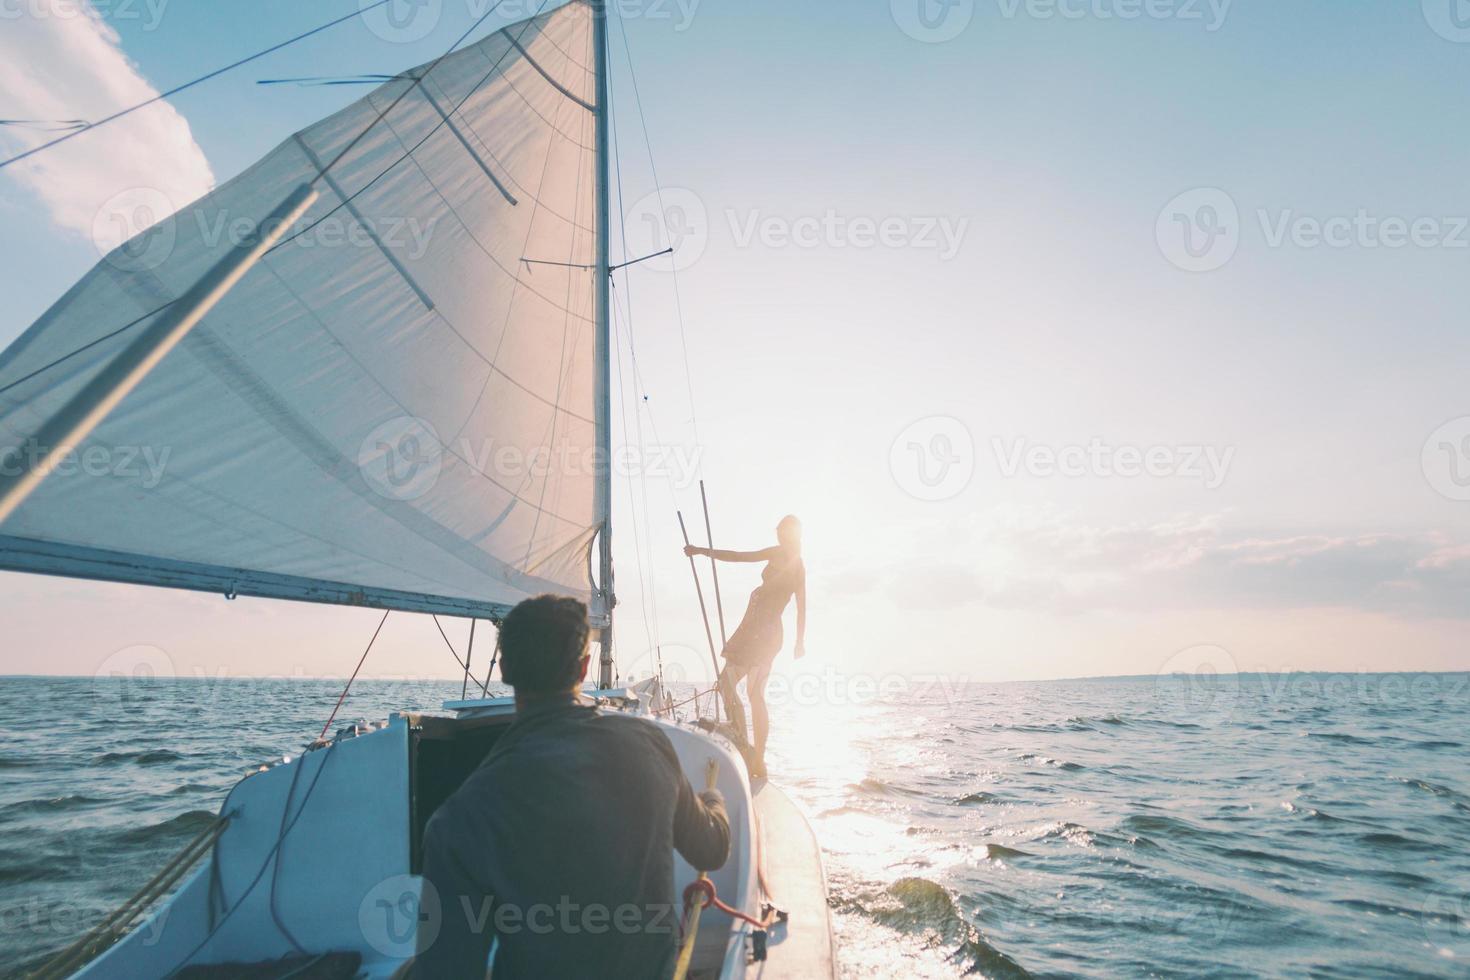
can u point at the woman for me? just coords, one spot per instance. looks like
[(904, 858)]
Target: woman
[(756, 641)]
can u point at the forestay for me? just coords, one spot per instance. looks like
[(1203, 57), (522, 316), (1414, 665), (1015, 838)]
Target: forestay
[(396, 406)]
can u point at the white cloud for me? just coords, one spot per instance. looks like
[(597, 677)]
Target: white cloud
[(1059, 567), (59, 60)]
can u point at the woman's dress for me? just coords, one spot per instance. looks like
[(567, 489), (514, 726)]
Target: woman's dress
[(758, 638)]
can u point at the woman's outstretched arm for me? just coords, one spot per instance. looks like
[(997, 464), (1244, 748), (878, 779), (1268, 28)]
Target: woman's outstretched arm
[(719, 554)]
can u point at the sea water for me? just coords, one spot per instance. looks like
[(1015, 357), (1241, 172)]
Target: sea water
[(1261, 825)]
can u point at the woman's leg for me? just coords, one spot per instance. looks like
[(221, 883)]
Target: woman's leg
[(760, 716), (734, 710)]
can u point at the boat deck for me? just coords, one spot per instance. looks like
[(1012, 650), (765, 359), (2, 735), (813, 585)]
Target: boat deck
[(801, 948)]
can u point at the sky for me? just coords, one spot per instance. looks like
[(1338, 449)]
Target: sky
[(1086, 337)]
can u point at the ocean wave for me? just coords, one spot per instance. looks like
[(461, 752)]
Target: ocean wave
[(977, 797), (1343, 738), (52, 804), (1167, 828), (1057, 763), (1090, 724), (1460, 800), (142, 757), (17, 868), (927, 908), (999, 852), (877, 787), (1385, 840), (189, 822)]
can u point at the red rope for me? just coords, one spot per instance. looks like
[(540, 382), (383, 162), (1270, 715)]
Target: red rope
[(705, 887), (343, 697)]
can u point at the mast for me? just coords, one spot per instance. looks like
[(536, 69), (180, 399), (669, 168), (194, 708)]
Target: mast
[(602, 499)]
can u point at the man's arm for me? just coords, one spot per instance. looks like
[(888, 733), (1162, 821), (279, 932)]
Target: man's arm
[(701, 826), (462, 946)]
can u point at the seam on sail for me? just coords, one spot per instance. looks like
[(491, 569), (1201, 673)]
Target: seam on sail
[(366, 226), (560, 307), (449, 123), (537, 206), (564, 365), (553, 82), (542, 34), (311, 312), (216, 356), (494, 67), (511, 85), (508, 324), (527, 192)]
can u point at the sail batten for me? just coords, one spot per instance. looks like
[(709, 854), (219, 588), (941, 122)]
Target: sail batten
[(392, 408)]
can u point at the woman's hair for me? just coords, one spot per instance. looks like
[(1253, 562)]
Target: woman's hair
[(542, 643), (788, 531)]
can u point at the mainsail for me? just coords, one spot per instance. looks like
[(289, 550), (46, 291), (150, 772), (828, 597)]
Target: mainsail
[(397, 405)]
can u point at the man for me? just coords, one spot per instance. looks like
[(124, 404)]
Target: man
[(561, 844)]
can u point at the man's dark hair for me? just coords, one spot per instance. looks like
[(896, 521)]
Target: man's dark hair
[(542, 641)]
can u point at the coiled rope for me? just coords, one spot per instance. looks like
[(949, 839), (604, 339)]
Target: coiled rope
[(123, 919)]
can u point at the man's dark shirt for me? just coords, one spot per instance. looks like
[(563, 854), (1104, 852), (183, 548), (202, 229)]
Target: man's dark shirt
[(561, 845)]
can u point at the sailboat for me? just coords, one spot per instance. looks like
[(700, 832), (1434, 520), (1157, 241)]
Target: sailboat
[(335, 404)]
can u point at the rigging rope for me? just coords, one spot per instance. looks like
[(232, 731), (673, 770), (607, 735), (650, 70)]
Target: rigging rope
[(469, 656), (679, 704), (190, 84), (343, 696), (647, 585), (494, 655), (452, 651), (218, 924), (662, 213), (285, 241), (121, 920)]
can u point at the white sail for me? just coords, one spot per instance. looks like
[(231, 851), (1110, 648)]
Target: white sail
[(396, 406)]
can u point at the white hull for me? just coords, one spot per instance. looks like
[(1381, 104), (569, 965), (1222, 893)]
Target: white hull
[(343, 876)]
